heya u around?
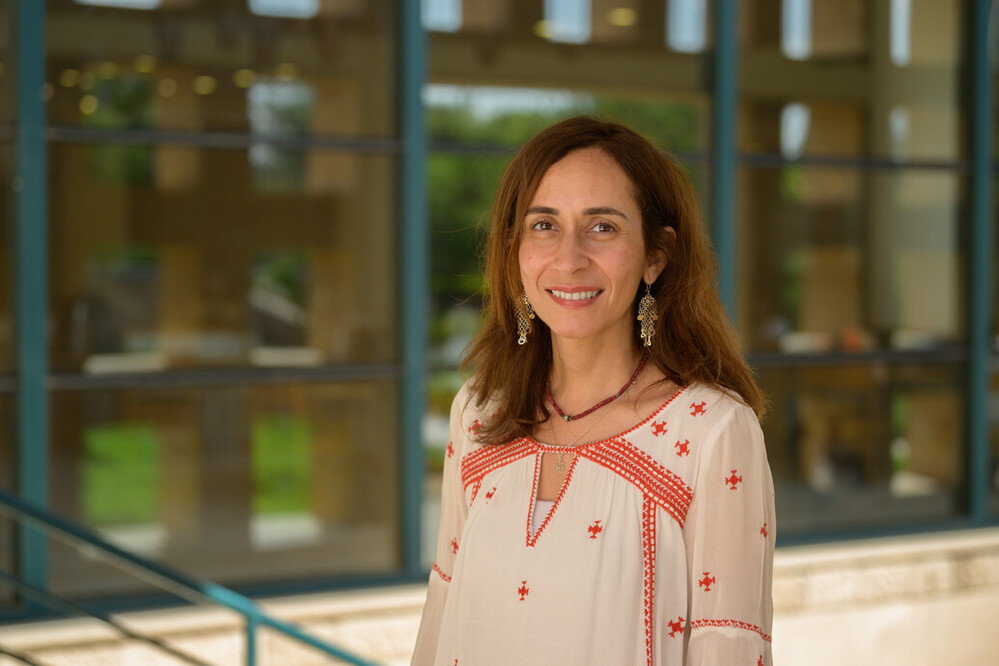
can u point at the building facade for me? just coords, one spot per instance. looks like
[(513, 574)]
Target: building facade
[(239, 241)]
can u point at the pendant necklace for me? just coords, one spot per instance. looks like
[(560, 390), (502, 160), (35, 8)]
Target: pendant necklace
[(573, 417), (559, 465)]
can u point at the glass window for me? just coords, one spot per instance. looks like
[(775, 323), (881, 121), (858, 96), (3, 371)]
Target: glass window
[(850, 261), (868, 78), (235, 483), (167, 257), (193, 67), (6, 265), (862, 444)]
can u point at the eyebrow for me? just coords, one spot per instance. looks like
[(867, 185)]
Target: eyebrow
[(599, 210)]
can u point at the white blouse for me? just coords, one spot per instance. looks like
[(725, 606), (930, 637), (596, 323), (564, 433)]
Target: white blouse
[(658, 549)]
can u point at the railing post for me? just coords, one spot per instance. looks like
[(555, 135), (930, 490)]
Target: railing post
[(251, 640)]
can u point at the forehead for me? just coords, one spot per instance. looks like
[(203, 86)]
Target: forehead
[(589, 176)]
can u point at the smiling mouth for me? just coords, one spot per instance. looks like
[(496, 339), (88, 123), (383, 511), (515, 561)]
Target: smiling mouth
[(575, 295)]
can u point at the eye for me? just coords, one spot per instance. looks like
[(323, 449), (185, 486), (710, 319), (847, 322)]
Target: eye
[(542, 225), (603, 227)]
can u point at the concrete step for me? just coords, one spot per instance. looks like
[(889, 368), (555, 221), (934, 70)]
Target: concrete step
[(379, 625)]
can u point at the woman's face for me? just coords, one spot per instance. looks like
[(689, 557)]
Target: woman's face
[(582, 252)]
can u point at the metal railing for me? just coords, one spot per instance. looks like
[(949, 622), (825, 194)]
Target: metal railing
[(160, 575)]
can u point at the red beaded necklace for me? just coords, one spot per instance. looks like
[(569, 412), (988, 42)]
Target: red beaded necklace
[(573, 417)]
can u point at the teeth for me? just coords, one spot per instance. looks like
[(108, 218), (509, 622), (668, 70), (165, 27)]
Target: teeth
[(575, 295)]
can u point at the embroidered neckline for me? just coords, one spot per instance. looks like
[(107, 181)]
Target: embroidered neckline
[(551, 448), (532, 537)]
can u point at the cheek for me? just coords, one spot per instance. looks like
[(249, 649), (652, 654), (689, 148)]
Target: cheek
[(528, 262)]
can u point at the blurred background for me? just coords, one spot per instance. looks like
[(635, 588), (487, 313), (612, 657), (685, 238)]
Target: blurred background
[(234, 300)]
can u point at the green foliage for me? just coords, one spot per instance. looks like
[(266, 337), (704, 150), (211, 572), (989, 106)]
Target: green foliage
[(125, 102), (282, 464), (120, 474), (283, 273)]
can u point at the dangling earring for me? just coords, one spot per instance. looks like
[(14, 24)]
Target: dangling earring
[(647, 315), (524, 321)]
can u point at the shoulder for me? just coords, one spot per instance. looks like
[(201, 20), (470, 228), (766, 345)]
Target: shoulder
[(468, 413), (692, 421)]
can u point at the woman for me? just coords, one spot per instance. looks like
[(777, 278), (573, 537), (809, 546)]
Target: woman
[(606, 496)]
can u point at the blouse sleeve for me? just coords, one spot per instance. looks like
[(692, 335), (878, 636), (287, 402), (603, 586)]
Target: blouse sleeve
[(729, 537), (453, 512)]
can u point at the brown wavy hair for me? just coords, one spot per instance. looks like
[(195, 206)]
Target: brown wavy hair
[(694, 340)]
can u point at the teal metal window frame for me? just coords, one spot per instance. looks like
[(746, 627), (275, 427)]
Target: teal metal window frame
[(30, 265)]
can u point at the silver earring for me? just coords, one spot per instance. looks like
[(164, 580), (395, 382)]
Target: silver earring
[(647, 315), (524, 318)]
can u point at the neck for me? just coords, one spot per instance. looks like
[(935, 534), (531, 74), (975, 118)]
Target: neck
[(584, 371)]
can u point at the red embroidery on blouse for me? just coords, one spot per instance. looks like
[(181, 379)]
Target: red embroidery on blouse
[(481, 461), (454, 546), (763, 531), (475, 427), (655, 481), (450, 449), (649, 577), (733, 481), (738, 624), (440, 572), (659, 428), (523, 590), (759, 661), (682, 448), (707, 581), (475, 490), (676, 626), (594, 529), (532, 539), (697, 408), (490, 494)]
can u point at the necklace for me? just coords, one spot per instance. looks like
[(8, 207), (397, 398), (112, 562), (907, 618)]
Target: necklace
[(559, 463), (573, 417)]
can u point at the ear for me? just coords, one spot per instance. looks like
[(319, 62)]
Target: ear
[(656, 259)]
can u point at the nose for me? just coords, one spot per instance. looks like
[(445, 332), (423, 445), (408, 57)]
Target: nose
[(571, 254)]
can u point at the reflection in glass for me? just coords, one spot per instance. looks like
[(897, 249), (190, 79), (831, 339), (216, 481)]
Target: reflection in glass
[(896, 91), (205, 266), (236, 484), (301, 9), (566, 21), (489, 116), (442, 15), (687, 25), (864, 445), (342, 50), (278, 109), (900, 31), (796, 28), (836, 259)]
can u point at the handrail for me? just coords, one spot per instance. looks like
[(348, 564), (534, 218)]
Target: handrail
[(20, 657), (69, 608), (168, 579)]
